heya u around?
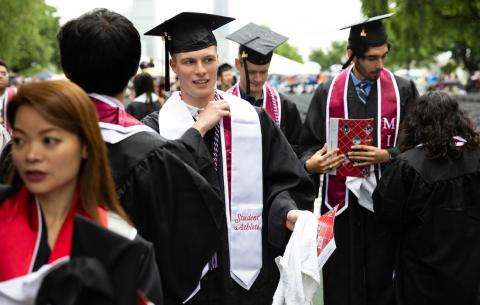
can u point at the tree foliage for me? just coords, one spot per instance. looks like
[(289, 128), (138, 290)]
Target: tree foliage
[(335, 54), (289, 51), (27, 35), (422, 29)]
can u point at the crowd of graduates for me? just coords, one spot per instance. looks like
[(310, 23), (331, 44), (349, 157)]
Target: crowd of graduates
[(189, 199)]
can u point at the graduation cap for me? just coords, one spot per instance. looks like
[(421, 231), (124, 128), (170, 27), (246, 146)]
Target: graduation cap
[(256, 45), (187, 32), (369, 32)]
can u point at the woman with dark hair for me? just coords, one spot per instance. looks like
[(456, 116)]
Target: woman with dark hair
[(62, 201), (146, 101), (429, 197)]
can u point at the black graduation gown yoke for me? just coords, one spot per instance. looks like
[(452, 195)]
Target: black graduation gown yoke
[(170, 204), (286, 186), (360, 270), (290, 121), (433, 209), (139, 110)]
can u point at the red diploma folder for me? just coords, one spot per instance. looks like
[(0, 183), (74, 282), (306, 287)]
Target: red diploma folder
[(325, 238), (347, 132)]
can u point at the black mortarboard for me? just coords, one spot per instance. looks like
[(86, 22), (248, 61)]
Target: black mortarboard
[(257, 43), (369, 32), (187, 32)]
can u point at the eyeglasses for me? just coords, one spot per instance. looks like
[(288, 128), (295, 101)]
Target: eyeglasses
[(3, 73)]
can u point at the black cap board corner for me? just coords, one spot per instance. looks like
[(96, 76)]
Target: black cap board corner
[(256, 42)]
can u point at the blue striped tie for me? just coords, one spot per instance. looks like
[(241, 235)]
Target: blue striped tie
[(362, 91)]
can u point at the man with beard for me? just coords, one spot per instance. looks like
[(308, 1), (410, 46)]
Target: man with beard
[(360, 271)]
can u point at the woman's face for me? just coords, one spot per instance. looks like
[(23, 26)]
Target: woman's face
[(46, 156)]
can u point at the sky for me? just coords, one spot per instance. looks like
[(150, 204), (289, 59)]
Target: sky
[(309, 24)]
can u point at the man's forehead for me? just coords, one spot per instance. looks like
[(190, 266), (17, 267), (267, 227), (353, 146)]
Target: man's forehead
[(377, 51), (3, 68), (254, 67), (211, 50)]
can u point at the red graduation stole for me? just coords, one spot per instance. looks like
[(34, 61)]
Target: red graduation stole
[(271, 101), (20, 229), (388, 119), (113, 115)]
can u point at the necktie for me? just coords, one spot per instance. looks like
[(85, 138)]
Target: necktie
[(362, 91)]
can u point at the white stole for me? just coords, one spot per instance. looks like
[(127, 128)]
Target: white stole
[(244, 213)]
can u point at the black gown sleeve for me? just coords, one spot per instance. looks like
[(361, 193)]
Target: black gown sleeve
[(151, 120), (286, 184), (292, 121), (312, 137), (190, 147), (408, 95), (176, 209)]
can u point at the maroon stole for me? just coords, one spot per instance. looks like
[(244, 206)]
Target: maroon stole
[(113, 115), (20, 233), (271, 101), (387, 125)]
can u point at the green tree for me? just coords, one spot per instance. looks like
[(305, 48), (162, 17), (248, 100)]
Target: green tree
[(27, 35), (289, 51), (335, 54), (422, 29)]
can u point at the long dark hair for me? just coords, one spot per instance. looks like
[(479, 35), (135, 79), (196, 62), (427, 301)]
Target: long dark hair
[(143, 83), (433, 122), (67, 106)]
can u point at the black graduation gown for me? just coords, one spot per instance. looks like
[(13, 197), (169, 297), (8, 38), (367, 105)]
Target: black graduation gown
[(170, 203), (433, 209), (290, 121), (286, 186), (360, 270), (139, 110), (129, 264)]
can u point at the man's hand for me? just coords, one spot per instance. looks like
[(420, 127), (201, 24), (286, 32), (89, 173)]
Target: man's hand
[(322, 162), (365, 155), (211, 115), (292, 217)]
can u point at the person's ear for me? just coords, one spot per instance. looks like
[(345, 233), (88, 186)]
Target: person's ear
[(173, 65)]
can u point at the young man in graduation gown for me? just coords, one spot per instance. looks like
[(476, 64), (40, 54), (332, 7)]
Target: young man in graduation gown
[(169, 202), (257, 172), (254, 56), (360, 270)]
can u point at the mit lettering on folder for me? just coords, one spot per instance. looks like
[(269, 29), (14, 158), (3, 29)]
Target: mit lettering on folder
[(343, 133)]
